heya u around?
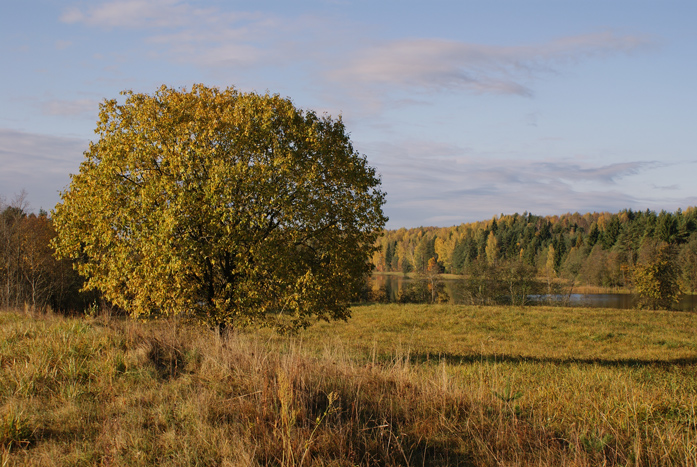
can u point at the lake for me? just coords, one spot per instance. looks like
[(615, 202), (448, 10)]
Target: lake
[(393, 284)]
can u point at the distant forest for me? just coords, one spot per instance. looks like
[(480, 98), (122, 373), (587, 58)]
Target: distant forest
[(30, 276), (598, 249)]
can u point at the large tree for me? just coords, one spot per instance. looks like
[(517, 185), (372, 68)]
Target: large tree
[(231, 207)]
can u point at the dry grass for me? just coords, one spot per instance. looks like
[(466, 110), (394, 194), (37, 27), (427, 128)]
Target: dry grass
[(593, 289), (396, 385), (466, 333)]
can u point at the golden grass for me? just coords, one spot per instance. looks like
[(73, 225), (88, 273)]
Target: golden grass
[(592, 289), (554, 334), (395, 385)]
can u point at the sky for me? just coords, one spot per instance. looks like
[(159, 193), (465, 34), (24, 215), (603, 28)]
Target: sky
[(467, 109)]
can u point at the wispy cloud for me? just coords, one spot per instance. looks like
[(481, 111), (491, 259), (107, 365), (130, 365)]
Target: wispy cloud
[(206, 37), (133, 14), (667, 188), (222, 39), (78, 107), (438, 64), (62, 44), (440, 183), (367, 75), (566, 170), (39, 164)]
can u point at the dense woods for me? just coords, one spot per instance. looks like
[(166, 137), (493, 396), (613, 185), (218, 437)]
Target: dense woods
[(30, 276), (598, 249)]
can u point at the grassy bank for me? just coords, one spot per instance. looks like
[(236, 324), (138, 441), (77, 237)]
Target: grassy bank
[(396, 385)]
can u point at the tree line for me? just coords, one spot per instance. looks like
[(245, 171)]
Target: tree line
[(30, 275), (513, 254), (617, 250)]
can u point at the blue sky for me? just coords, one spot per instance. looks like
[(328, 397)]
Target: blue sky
[(467, 109)]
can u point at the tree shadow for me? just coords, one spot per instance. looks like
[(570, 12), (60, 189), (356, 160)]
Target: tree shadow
[(459, 359)]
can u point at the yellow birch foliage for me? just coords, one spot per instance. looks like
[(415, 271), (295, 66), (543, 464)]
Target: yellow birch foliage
[(492, 249)]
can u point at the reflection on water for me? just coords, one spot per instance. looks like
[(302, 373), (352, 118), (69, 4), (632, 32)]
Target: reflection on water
[(393, 285)]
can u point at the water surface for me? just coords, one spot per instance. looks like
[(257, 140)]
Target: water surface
[(394, 284)]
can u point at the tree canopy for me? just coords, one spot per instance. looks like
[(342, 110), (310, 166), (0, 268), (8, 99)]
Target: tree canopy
[(234, 208)]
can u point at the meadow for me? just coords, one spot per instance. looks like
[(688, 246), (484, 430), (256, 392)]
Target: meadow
[(431, 385)]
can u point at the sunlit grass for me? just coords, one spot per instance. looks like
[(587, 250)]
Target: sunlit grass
[(536, 333), (395, 385)]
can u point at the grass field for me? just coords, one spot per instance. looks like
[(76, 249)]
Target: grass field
[(395, 385)]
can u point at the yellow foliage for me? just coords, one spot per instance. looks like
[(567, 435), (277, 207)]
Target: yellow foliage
[(226, 206)]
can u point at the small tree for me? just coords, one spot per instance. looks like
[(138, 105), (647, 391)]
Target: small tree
[(484, 285), (492, 249), (230, 207), (550, 272), (656, 281), (432, 276), (520, 281)]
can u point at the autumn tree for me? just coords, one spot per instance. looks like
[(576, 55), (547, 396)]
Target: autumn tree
[(519, 281), (688, 261), (29, 274), (492, 249), (12, 287), (656, 279), (549, 269), (423, 252), (432, 276), (233, 208)]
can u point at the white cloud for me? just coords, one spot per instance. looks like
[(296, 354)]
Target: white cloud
[(210, 37), (611, 173), (441, 184), (79, 107), (132, 14), (216, 38), (39, 164), (438, 64), (72, 15), (423, 180)]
